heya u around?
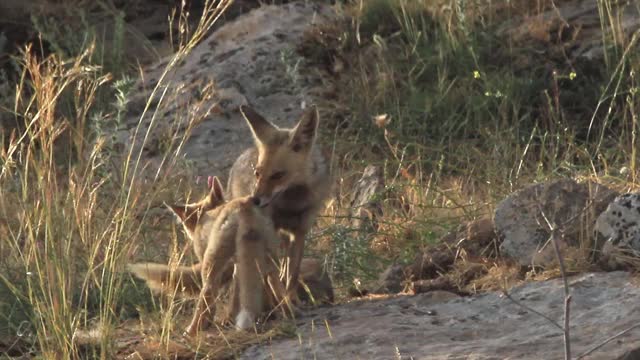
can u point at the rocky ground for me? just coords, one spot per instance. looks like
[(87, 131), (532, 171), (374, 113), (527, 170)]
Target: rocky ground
[(442, 325)]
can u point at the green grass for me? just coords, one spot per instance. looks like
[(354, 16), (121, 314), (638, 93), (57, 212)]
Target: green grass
[(473, 114)]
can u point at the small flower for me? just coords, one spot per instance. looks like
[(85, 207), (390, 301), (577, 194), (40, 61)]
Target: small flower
[(382, 120), (476, 74), (572, 75)]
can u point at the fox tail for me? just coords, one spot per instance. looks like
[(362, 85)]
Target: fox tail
[(183, 280)]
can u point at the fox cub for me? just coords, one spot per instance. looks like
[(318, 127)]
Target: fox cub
[(222, 233)]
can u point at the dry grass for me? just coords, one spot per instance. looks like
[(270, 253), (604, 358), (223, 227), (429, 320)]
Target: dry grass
[(460, 113), (74, 211)]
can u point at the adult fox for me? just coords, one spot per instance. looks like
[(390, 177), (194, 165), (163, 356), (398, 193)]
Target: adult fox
[(289, 175)]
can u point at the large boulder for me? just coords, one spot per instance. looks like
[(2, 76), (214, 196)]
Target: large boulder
[(488, 326), (569, 206), (250, 60), (618, 227)]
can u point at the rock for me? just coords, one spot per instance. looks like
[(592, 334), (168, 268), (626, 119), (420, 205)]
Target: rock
[(391, 281), (572, 207), (475, 237), (431, 264), (443, 283), (250, 60), (356, 292), (575, 26), (487, 326), (365, 202), (465, 272), (618, 227), (318, 287)]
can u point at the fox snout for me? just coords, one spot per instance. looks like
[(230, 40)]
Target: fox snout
[(255, 201), (261, 201), (262, 194)]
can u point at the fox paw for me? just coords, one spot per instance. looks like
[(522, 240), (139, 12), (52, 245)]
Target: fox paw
[(245, 320)]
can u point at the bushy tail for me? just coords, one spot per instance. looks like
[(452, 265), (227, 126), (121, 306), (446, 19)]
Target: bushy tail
[(183, 280)]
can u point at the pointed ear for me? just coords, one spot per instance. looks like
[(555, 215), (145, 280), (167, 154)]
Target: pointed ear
[(216, 191), (179, 210), (304, 134), (186, 214), (261, 128)]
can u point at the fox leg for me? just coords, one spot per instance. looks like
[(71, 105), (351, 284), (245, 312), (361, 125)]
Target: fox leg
[(277, 291), (214, 261), (294, 259), (234, 298), (251, 265)]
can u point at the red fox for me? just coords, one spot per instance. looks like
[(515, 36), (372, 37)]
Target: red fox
[(222, 232), (289, 176)]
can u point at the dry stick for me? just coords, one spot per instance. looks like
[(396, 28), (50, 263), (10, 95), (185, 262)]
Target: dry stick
[(567, 295), (610, 339), (567, 299), (552, 238)]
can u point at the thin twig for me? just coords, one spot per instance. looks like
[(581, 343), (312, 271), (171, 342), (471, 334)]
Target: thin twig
[(567, 338), (608, 340), (567, 295)]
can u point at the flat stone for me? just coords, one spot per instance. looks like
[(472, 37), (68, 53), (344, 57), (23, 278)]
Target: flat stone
[(488, 326)]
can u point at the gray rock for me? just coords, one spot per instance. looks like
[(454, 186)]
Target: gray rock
[(391, 281), (250, 60), (619, 227), (488, 326), (476, 237), (574, 25), (572, 207)]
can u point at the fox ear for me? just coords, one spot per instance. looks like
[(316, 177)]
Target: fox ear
[(185, 214), (304, 134), (179, 210), (261, 128), (216, 190)]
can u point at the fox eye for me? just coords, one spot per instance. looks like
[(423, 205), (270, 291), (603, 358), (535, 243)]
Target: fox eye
[(278, 175), (256, 173)]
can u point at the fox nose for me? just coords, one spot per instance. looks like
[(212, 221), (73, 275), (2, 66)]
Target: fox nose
[(255, 200), (261, 201)]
